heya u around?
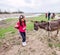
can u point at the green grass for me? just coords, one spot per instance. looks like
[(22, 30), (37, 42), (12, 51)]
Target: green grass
[(11, 29), (40, 18), (9, 19), (57, 45), (50, 45), (30, 26)]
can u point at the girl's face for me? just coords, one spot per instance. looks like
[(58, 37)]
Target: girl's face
[(22, 19)]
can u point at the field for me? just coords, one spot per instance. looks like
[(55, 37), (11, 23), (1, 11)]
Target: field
[(10, 27), (38, 42)]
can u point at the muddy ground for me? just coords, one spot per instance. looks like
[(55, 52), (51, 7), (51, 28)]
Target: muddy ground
[(38, 42)]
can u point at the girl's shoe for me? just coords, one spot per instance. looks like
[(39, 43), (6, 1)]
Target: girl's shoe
[(24, 43)]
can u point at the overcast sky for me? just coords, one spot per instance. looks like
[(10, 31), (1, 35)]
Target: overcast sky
[(31, 5)]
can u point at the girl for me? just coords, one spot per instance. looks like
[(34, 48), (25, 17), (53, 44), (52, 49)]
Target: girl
[(21, 26)]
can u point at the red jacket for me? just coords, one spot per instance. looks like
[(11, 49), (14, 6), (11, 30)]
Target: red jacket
[(20, 28)]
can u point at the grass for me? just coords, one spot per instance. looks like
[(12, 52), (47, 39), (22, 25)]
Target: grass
[(11, 28), (57, 45), (5, 30), (50, 45), (40, 18), (10, 19), (30, 26)]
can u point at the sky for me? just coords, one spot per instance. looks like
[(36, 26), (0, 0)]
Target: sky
[(30, 5)]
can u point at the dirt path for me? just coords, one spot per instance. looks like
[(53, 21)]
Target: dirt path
[(36, 45)]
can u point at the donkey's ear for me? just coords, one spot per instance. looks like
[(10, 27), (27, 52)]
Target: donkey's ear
[(35, 27)]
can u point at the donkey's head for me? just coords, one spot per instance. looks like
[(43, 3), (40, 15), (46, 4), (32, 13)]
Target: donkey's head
[(36, 25)]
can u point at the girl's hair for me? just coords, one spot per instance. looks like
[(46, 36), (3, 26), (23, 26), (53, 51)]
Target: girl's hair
[(21, 17)]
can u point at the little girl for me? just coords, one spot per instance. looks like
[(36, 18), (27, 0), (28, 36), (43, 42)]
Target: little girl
[(21, 26)]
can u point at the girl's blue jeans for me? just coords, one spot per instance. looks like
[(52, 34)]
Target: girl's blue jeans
[(23, 34)]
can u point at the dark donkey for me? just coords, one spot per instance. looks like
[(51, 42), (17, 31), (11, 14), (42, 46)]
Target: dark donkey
[(49, 26)]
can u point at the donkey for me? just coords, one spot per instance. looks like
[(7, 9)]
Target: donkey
[(48, 26)]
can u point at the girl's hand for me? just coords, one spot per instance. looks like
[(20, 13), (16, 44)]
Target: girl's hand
[(24, 28), (16, 26)]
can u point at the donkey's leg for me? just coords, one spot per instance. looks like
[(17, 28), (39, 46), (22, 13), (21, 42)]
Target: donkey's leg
[(49, 33), (58, 32)]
